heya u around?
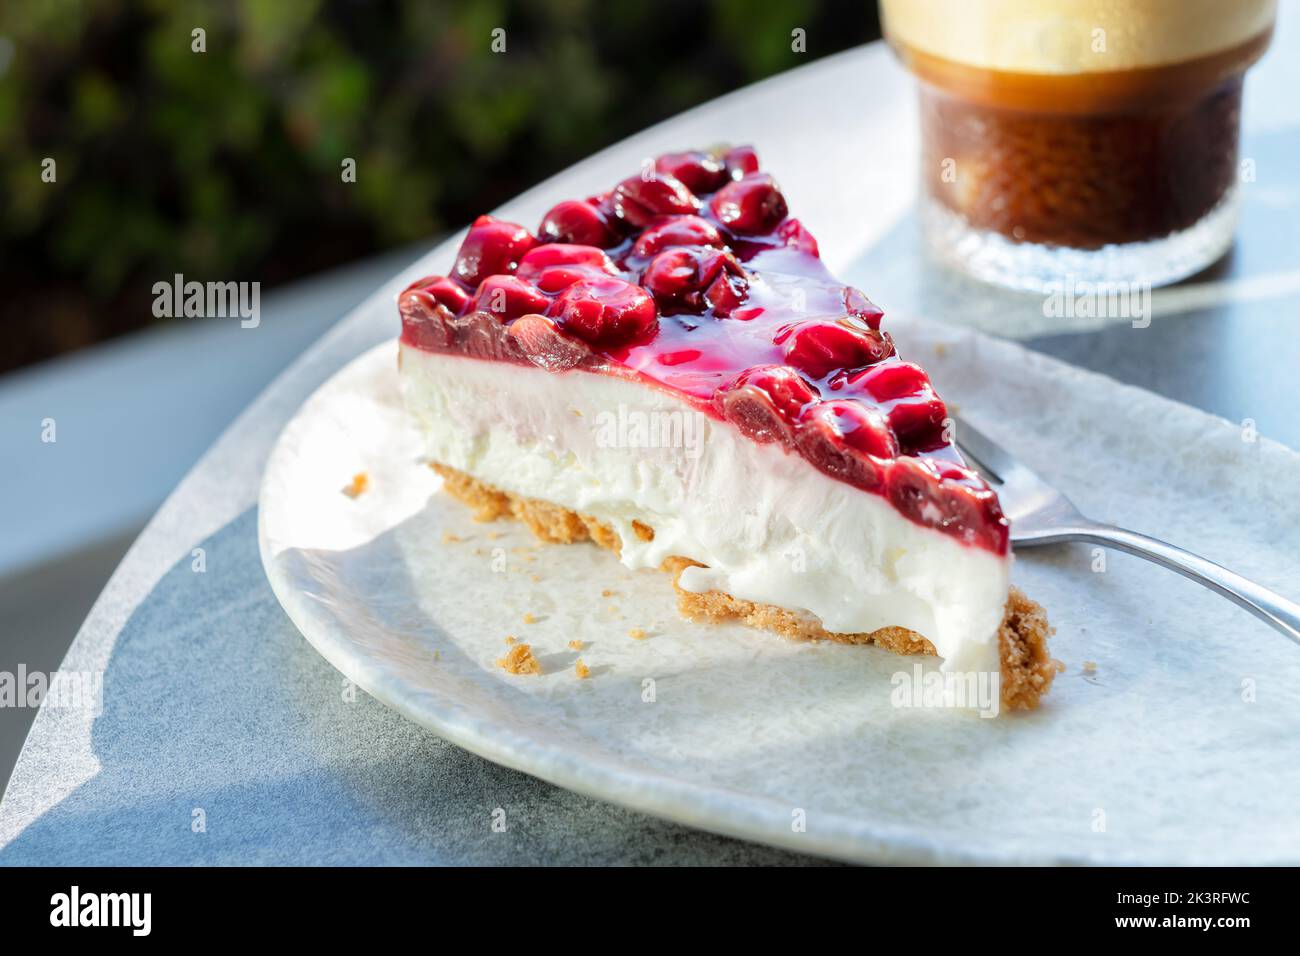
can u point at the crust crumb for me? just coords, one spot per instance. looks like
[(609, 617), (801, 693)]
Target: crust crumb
[(575, 645), (520, 660), (358, 486), (530, 619), (510, 638), (637, 634), (581, 669), (449, 538), (1027, 668)]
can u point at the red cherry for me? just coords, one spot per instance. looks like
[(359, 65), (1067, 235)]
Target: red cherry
[(918, 421), (727, 293), (676, 231), (749, 206), (847, 441), (446, 292), (563, 254), (823, 346), (605, 311), (740, 161), (857, 426), (726, 282), (914, 489), (546, 346), (688, 279), (508, 297), (764, 401), (638, 201), (673, 278), (492, 247), (556, 266), (574, 221), (857, 304), (972, 510), (793, 234), (699, 172), (425, 306), (918, 489), (891, 380)]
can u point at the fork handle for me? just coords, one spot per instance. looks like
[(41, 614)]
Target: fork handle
[(1266, 605)]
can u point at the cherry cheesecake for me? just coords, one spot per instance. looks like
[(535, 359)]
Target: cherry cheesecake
[(668, 369)]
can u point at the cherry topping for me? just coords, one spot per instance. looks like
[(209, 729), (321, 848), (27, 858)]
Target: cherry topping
[(569, 299), (605, 311), (891, 380), (676, 231), (699, 172), (949, 498), (556, 266), (918, 420), (822, 346), (673, 278), (856, 426), (847, 441), (508, 297), (444, 291), (727, 292), (740, 161), (857, 304), (492, 247), (543, 344), (685, 279), (638, 200), (750, 206), (577, 222), (913, 484), (792, 233), (763, 402)]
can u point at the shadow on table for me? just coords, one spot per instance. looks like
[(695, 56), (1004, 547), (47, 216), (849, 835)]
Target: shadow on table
[(345, 783)]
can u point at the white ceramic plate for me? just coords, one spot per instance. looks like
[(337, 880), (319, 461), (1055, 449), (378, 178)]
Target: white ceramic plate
[(1179, 748)]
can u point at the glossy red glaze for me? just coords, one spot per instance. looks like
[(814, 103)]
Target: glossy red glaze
[(694, 279)]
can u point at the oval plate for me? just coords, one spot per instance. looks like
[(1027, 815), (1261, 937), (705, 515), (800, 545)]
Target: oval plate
[(743, 733)]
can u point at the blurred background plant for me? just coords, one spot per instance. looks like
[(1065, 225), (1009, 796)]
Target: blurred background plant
[(226, 164)]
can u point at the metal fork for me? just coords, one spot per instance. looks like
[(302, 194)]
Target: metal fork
[(1040, 514)]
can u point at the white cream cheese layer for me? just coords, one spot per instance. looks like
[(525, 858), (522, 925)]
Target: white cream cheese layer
[(769, 526)]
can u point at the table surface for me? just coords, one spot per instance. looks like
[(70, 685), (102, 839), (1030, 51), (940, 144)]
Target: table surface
[(224, 738)]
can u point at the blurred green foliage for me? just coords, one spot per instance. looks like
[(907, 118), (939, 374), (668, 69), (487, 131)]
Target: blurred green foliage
[(226, 163)]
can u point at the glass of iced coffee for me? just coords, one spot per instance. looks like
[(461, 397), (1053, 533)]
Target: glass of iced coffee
[(1088, 139)]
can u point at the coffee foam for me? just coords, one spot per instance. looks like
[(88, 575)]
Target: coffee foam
[(1074, 36)]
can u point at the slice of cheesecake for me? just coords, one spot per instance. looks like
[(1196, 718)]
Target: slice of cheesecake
[(668, 369)]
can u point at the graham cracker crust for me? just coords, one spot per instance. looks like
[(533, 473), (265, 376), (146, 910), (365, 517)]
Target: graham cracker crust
[(1027, 670)]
